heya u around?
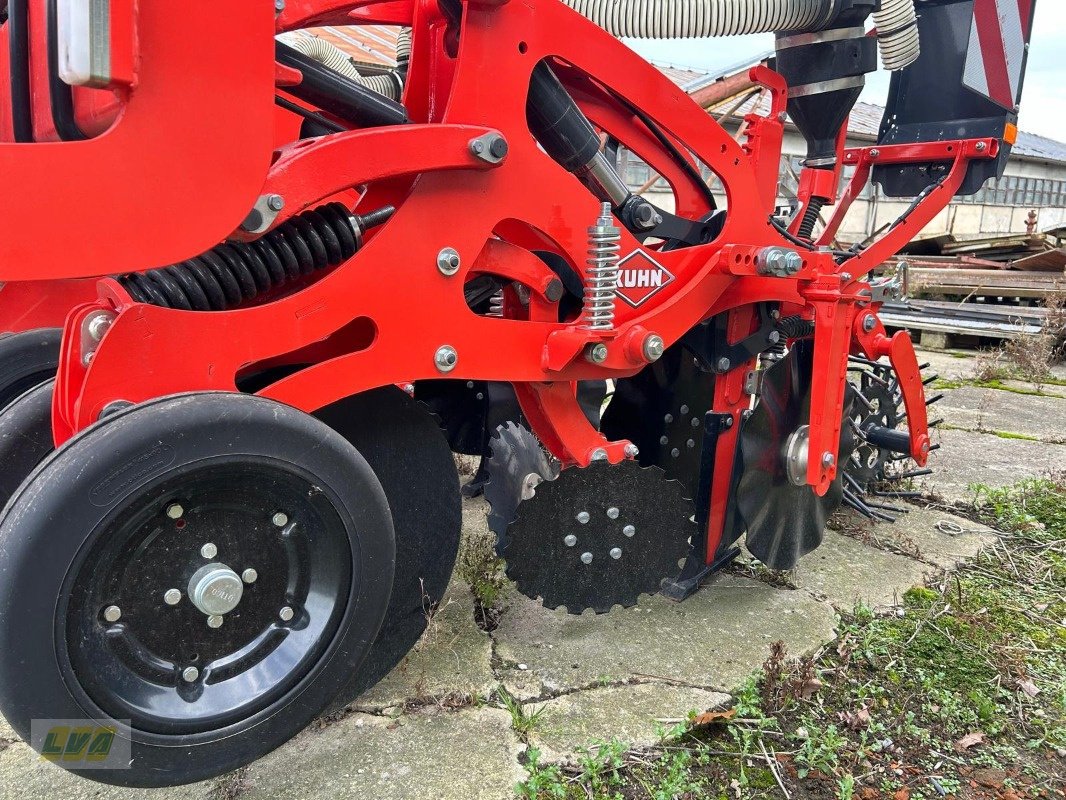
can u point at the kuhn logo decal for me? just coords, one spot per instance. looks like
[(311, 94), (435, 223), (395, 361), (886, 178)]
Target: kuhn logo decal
[(639, 277)]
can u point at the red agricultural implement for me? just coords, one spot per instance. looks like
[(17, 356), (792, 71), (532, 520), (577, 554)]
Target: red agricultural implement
[(256, 298)]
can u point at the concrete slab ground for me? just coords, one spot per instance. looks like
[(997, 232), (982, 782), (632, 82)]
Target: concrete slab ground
[(595, 678), (1004, 412)]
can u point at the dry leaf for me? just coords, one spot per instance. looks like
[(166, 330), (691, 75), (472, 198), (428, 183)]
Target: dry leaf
[(902, 794), (970, 740), (1030, 688), (857, 720), (810, 688), (711, 717)]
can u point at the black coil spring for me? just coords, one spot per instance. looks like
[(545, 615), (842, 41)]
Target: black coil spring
[(232, 274), (795, 327)]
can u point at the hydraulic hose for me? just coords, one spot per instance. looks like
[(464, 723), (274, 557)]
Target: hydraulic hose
[(696, 19), (331, 56), (897, 34)]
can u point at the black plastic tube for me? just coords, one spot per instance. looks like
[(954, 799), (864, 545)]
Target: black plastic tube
[(18, 34)]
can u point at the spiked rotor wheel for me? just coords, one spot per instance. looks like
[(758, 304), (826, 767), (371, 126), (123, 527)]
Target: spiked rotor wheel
[(599, 537), (785, 519), (516, 466), (661, 409)]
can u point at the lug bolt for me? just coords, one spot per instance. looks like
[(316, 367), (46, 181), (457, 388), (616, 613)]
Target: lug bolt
[(172, 597), (654, 347), (612, 513), (112, 613), (586, 558), (214, 621), (675, 452), (570, 540), (616, 553), (280, 519), (249, 575), (684, 409), (629, 530), (695, 422), (446, 358), (209, 550), (175, 511), (448, 261), (632, 450), (286, 614), (583, 517), (668, 418), (664, 440), (190, 674), (596, 353)]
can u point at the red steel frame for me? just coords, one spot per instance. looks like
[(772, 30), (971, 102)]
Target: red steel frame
[(379, 318)]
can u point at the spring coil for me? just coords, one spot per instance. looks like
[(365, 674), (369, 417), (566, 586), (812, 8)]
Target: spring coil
[(496, 304), (795, 327), (232, 274), (601, 278), (810, 217)]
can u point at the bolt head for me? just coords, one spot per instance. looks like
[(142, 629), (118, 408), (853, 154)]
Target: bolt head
[(869, 322), (845, 277), (793, 262), (570, 540), (190, 674), (654, 347), (249, 575), (279, 6), (875, 153), (280, 519), (209, 550), (599, 454), (498, 148), (695, 422), (112, 613), (477, 146), (724, 364), (448, 261), (981, 146), (828, 459), (586, 558), (446, 358), (632, 451), (175, 511), (98, 326), (276, 202), (629, 530), (616, 553), (583, 517), (214, 621), (172, 597), (612, 513), (286, 614), (597, 353)]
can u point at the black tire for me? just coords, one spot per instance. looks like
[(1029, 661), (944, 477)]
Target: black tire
[(408, 452), (26, 360), (25, 437), (71, 513)]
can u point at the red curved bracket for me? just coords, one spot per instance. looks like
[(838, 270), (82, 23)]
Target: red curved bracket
[(172, 189)]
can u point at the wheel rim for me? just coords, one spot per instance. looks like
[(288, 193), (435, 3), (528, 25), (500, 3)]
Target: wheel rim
[(221, 652)]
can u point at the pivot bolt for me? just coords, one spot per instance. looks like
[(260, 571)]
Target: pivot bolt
[(280, 519), (616, 553), (570, 540), (629, 530), (249, 575), (172, 597), (612, 513), (286, 614), (112, 613), (446, 358), (586, 558), (209, 550), (596, 353), (491, 148), (778, 262), (190, 674), (583, 517), (98, 326), (654, 347), (869, 323), (175, 511), (214, 621), (828, 459), (448, 261)]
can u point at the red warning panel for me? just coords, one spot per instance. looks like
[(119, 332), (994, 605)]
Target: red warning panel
[(995, 59)]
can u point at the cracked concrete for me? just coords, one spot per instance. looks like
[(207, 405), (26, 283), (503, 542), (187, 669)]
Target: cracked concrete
[(619, 675)]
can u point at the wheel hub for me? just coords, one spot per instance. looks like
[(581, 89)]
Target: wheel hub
[(215, 589)]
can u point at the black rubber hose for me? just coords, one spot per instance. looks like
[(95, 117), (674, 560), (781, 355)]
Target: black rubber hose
[(810, 217), (18, 39)]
